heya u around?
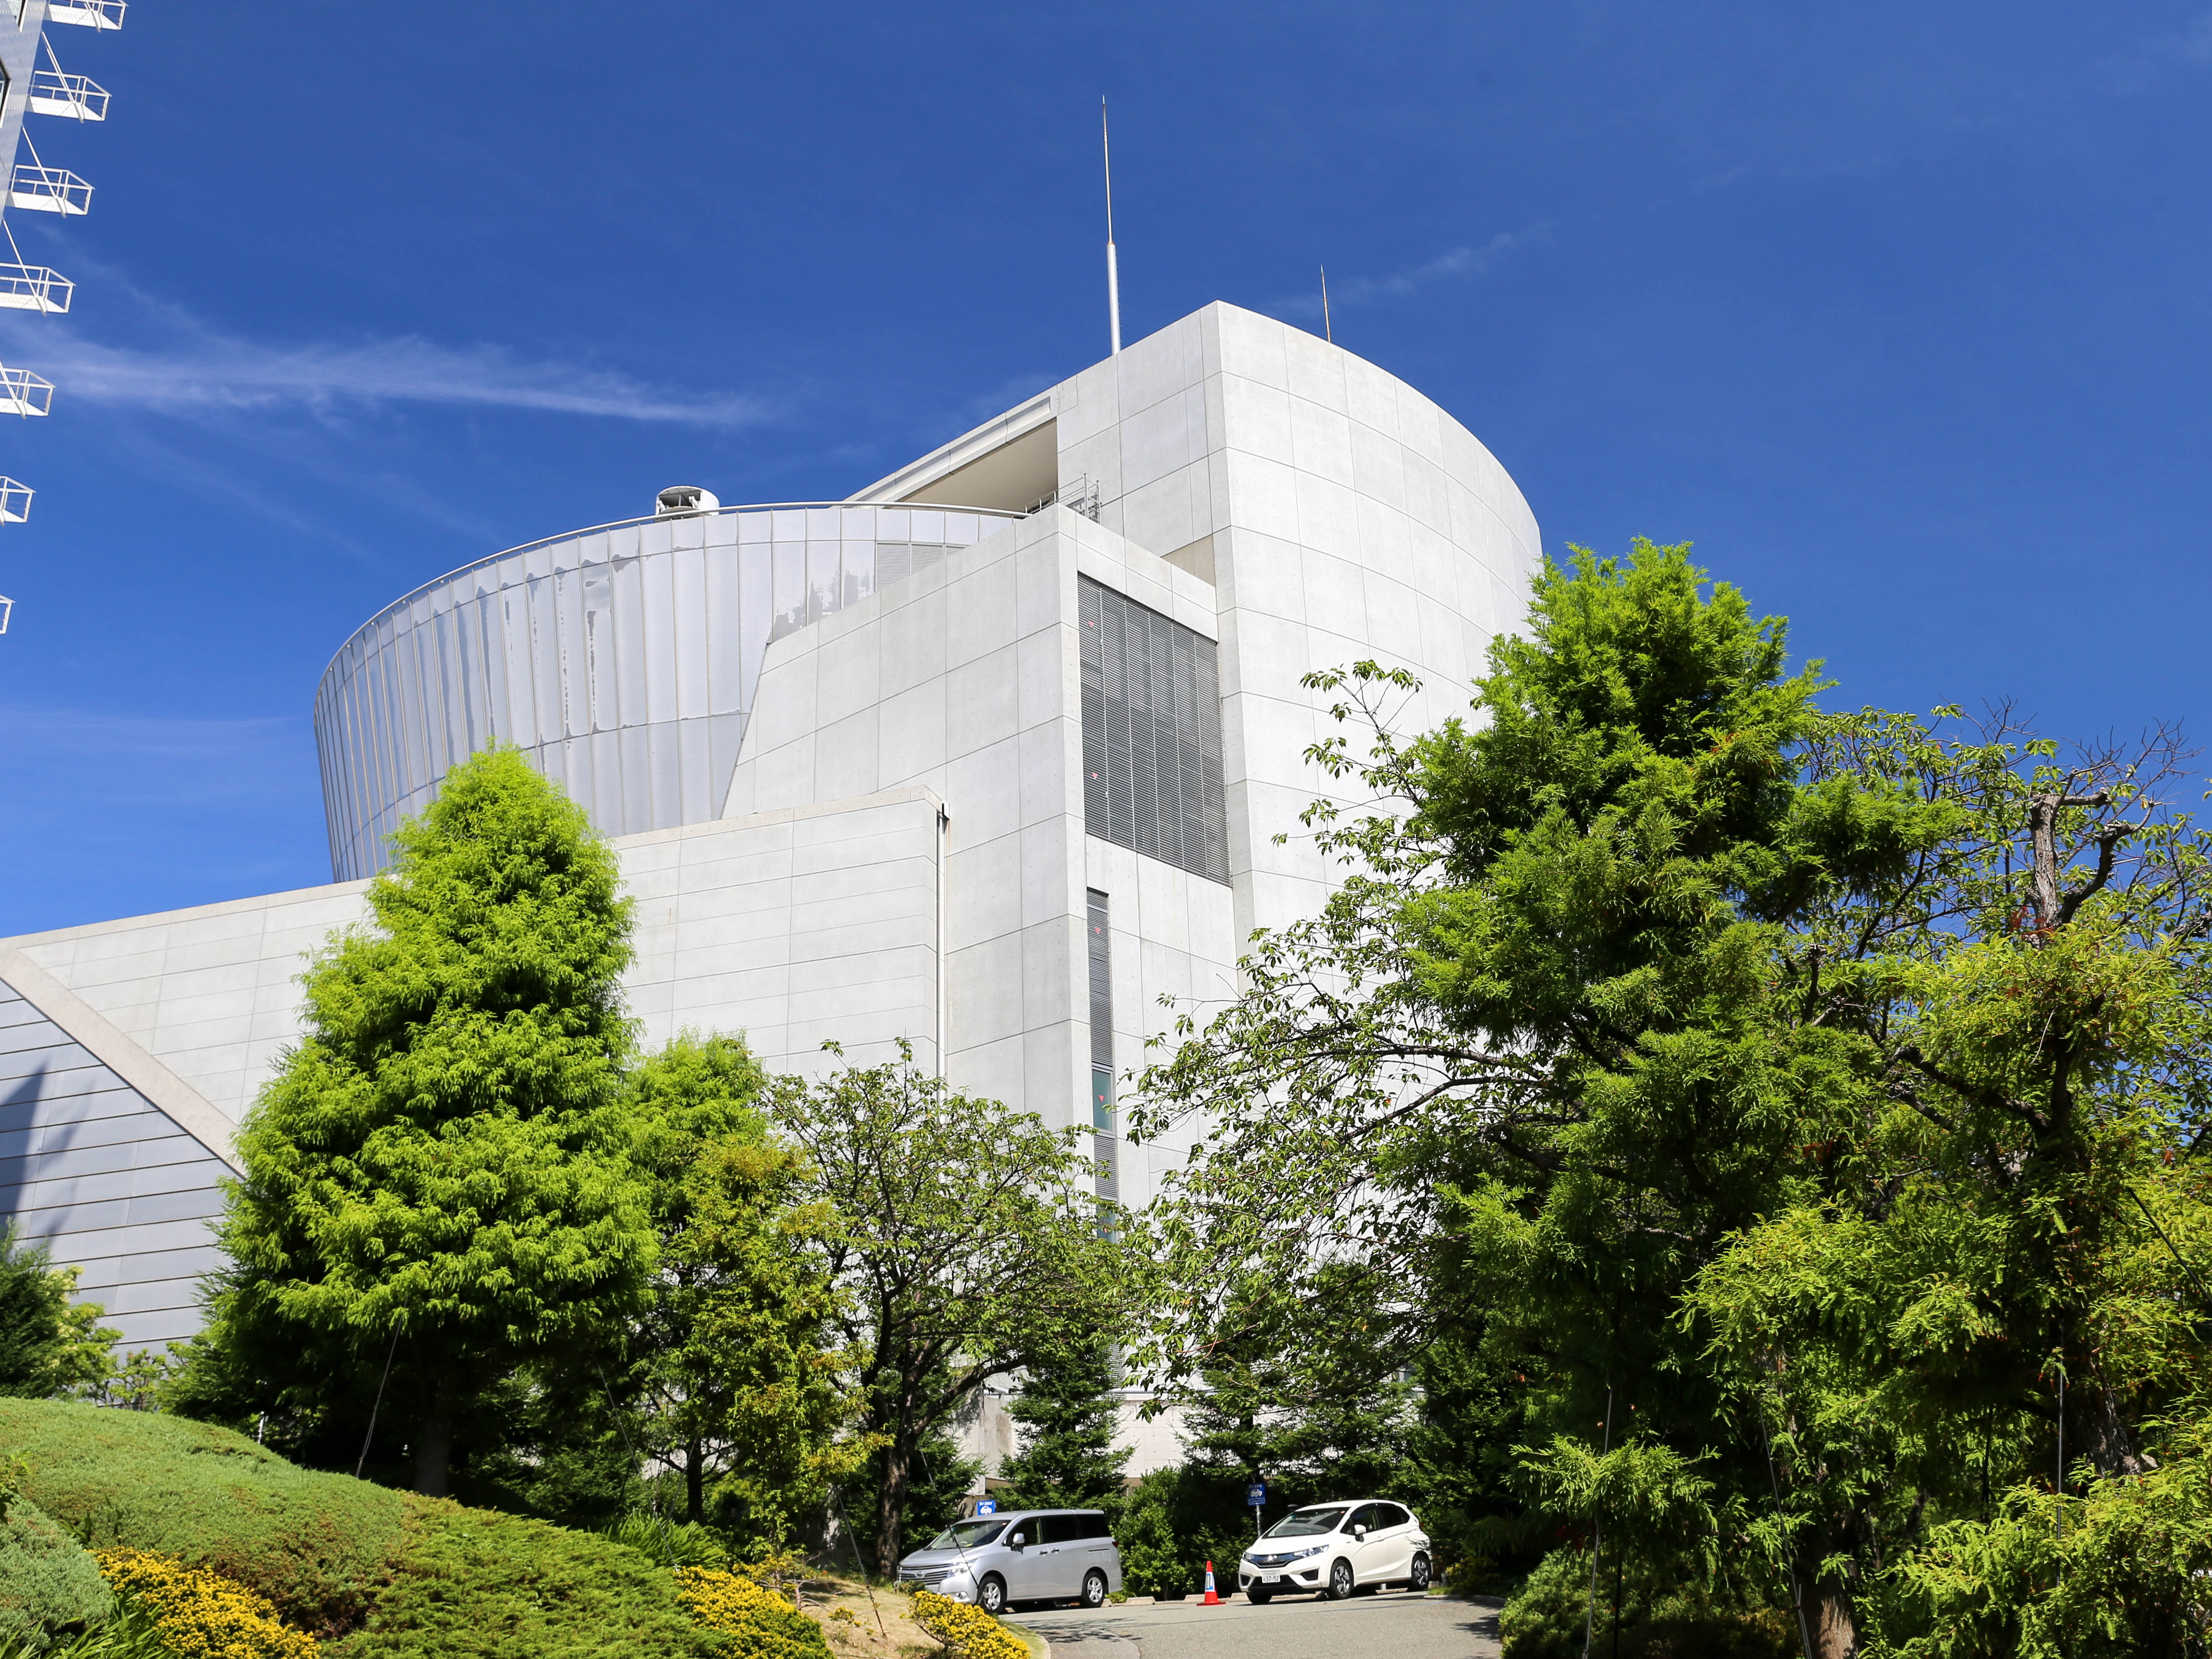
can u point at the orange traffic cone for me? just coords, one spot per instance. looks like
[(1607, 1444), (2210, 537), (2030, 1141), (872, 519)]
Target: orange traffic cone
[(1211, 1600)]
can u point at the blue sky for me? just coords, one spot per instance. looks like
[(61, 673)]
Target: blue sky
[(1898, 312)]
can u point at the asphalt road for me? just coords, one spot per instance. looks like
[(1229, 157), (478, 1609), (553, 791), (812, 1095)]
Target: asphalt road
[(1392, 1623)]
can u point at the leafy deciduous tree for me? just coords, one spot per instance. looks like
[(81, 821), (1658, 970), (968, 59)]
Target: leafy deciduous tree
[(968, 1248)]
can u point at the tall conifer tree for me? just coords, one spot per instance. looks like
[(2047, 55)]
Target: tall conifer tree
[(438, 1173), (1067, 1457)]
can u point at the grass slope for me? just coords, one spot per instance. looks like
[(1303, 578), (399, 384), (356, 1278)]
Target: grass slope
[(376, 1574), (316, 1544)]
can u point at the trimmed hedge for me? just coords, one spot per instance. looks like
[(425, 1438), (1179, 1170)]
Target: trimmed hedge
[(966, 1629), (316, 1544), (50, 1587), (760, 1623), (477, 1584), (198, 1614), (376, 1574)]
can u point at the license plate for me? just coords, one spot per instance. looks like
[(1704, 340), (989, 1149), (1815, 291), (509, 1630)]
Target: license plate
[(1271, 1579)]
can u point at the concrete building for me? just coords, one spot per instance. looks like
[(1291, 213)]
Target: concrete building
[(990, 757)]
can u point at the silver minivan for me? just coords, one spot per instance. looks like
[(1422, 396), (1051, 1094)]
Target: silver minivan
[(1025, 1555)]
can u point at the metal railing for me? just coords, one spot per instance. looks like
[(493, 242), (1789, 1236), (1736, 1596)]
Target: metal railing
[(49, 190), (1078, 494), (90, 13), (79, 97), (22, 392), (36, 288)]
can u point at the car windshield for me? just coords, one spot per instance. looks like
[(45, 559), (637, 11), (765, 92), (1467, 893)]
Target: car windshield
[(968, 1535), (1308, 1523)]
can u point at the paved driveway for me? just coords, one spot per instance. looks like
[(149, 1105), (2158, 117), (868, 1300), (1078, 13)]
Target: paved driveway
[(1388, 1625)]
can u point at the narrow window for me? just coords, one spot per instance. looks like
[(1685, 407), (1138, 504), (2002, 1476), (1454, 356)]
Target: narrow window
[(1100, 967)]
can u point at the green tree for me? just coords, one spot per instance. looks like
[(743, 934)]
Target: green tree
[(49, 1345), (1520, 1076), (1067, 1457), (742, 1392), (1781, 1099), (2001, 1272), (438, 1171), (968, 1247)]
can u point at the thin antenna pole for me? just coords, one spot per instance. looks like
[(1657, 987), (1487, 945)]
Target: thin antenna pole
[(1326, 332), (1113, 271)]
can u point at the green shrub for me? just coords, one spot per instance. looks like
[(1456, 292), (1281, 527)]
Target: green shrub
[(316, 1544), (474, 1584), (759, 1623), (668, 1543), (129, 1635), (50, 1586), (1545, 1620)]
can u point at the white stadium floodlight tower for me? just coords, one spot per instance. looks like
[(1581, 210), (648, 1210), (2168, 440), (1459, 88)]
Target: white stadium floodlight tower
[(32, 80)]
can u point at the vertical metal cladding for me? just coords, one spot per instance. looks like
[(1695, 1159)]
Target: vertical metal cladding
[(1152, 734), (621, 661)]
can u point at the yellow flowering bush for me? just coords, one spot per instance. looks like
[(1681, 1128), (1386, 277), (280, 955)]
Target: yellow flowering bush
[(199, 1614), (761, 1624), (969, 1631)]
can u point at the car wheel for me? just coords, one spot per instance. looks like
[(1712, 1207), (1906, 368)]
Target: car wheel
[(991, 1594), (1418, 1583), (1259, 1598), (1339, 1581), (1094, 1589)]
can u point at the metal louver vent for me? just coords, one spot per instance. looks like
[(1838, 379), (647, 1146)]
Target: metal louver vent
[(1152, 734)]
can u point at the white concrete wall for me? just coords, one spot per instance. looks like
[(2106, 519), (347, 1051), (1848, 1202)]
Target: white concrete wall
[(966, 678), (791, 927), (1341, 516), (130, 1050)]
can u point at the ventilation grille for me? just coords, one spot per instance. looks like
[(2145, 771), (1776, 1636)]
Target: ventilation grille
[(1152, 734)]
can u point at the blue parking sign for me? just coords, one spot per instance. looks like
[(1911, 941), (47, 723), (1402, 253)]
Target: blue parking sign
[(987, 1506)]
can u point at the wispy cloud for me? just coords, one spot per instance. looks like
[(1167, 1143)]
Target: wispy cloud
[(219, 372), (192, 367), (1468, 261)]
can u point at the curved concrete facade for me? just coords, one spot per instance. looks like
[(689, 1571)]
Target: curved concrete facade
[(994, 782), (622, 659), (1338, 513)]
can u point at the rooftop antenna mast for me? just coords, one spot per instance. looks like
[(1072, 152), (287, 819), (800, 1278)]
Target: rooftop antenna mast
[(1326, 332), (1113, 271)]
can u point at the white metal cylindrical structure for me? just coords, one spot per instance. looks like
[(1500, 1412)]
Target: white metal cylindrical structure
[(622, 660)]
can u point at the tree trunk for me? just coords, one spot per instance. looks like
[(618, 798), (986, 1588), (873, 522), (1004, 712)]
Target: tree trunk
[(695, 1480), (889, 1499), (2095, 1430), (1828, 1615), (434, 1440)]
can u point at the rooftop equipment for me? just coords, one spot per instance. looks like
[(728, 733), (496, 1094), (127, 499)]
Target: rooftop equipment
[(681, 501)]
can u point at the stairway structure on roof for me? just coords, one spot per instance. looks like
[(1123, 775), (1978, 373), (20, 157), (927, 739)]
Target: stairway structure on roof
[(33, 83)]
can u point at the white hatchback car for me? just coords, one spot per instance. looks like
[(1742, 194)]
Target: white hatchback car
[(1337, 1549)]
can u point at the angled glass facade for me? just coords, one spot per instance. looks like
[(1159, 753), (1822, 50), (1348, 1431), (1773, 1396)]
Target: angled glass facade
[(622, 660), (1151, 734)]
